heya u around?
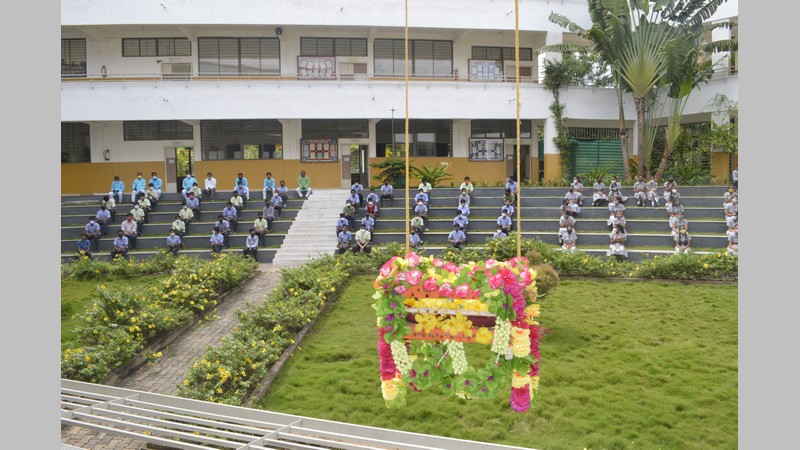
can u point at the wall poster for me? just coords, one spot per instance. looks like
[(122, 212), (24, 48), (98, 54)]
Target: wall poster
[(485, 149), (319, 150), (316, 67)]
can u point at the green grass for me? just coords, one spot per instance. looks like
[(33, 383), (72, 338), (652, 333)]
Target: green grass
[(624, 365), (77, 295)]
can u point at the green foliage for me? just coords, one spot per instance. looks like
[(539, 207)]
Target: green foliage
[(88, 269), (546, 278), (392, 169), (434, 174), (588, 178), (686, 173), (721, 136)]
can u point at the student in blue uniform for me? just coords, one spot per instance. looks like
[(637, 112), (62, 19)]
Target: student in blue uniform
[(224, 229), (231, 215), (120, 246), (251, 244), (387, 192), (356, 186), (93, 232), (217, 241), (158, 183), (187, 184), (173, 242), (83, 246), (463, 223), (117, 189), (505, 222), (413, 239), (103, 217), (269, 186), (241, 179), (456, 238), (345, 240)]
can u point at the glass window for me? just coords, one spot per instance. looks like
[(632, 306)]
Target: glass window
[(312, 46), (75, 142), (427, 58), (73, 57), (156, 47), (237, 56), (241, 139), (157, 130), (335, 128), (500, 129), (501, 53), (426, 137)]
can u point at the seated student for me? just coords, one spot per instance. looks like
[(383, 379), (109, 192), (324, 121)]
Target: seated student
[(564, 222), (195, 189), (733, 242), (674, 196), (728, 196), (355, 199), (508, 195), (599, 194), (178, 226), (152, 195), (241, 179), (363, 240), (463, 223), (731, 212), (508, 208), (138, 215), (467, 184), (373, 197), (345, 240), (414, 241), (144, 205), (683, 241), (356, 186), (277, 203), (499, 234), (615, 189), (120, 245), (464, 196), (505, 222), (418, 223), (464, 208), (269, 186), (231, 215), (368, 222), (187, 184), (83, 246), (224, 229), (283, 191), (117, 189), (732, 226), (93, 232), (111, 205), (421, 196), (261, 225), (103, 219), (620, 219), (303, 185), (387, 193), (569, 240), (251, 244), (238, 202), (422, 210), (573, 198), (616, 247), (194, 204), (372, 208), (341, 223), (157, 183), (244, 193), (577, 187), (613, 208), (456, 238), (217, 241), (186, 215), (173, 242), (427, 188), (269, 214), (669, 186), (139, 185), (210, 187), (640, 191), (735, 177), (512, 185), (129, 228), (350, 213), (674, 209), (680, 222), (652, 192)]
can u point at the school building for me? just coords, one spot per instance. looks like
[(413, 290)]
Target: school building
[(318, 85)]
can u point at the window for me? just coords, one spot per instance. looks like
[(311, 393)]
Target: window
[(73, 57), (156, 47), (501, 53), (239, 56), (426, 137), (426, 58), (310, 46), (157, 130), (75, 143), (241, 139), (500, 129), (337, 128)]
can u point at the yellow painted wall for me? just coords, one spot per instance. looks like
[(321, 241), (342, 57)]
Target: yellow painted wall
[(535, 169), (479, 172), (552, 166), (90, 178), (720, 167)]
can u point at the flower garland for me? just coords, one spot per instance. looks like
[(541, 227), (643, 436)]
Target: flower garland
[(428, 308)]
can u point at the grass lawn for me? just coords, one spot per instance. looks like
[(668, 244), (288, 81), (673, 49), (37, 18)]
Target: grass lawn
[(624, 365), (76, 295)]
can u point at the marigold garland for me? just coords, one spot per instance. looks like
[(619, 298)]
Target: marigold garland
[(427, 308)]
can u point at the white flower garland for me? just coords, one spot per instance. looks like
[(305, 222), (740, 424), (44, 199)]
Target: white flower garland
[(455, 350), (400, 356), (502, 336)]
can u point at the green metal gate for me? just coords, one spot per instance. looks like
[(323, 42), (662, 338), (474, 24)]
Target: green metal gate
[(590, 155)]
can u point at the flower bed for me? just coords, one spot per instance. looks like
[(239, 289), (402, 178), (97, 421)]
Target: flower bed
[(428, 308), (122, 322)]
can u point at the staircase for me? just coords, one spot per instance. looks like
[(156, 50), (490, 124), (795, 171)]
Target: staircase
[(313, 231)]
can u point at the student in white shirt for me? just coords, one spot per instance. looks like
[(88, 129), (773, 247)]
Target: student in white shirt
[(210, 187)]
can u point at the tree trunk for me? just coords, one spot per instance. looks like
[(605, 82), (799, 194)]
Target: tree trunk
[(640, 103), (623, 135), (663, 165)]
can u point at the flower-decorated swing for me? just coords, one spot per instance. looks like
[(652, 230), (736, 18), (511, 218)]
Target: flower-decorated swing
[(427, 309)]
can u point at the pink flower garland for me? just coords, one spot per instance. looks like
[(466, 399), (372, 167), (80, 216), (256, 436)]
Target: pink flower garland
[(387, 366)]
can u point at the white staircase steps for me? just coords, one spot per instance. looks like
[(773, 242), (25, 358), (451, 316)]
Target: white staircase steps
[(313, 231)]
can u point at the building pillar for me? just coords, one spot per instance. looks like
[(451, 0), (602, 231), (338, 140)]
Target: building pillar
[(535, 153), (721, 59), (720, 159), (552, 158)]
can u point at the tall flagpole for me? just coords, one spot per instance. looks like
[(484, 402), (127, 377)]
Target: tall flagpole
[(405, 142), (519, 150)]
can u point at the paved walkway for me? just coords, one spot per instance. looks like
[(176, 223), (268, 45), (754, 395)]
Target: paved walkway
[(165, 375)]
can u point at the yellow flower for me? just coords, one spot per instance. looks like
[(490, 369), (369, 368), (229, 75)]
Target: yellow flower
[(483, 336), (520, 342), (426, 322), (518, 380), (457, 324), (532, 310)]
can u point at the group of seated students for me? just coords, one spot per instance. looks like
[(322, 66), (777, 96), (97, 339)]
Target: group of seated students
[(361, 241), (145, 202), (730, 204)]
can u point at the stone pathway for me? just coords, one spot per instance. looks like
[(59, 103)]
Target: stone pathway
[(165, 375)]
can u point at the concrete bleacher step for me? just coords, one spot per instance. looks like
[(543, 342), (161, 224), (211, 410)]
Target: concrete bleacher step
[(265, 255), (660, 225), (310, 234), (633, 254)]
